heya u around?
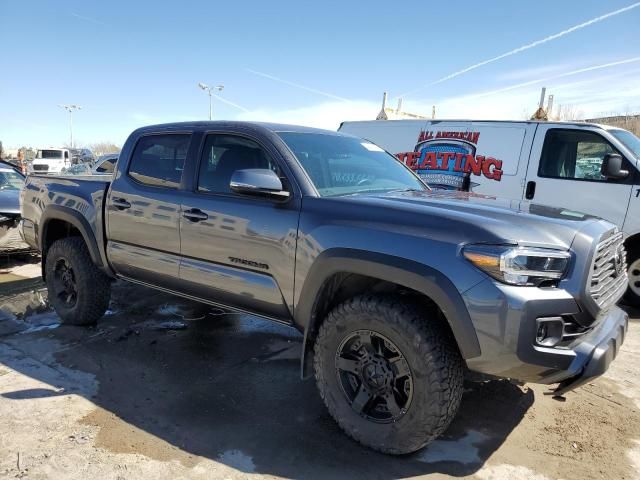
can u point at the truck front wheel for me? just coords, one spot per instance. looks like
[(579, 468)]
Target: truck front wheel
[(632, 295), (390, 376), (78, 291)]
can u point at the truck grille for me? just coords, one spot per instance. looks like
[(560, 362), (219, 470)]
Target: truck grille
[(40, 168), (609, 272)]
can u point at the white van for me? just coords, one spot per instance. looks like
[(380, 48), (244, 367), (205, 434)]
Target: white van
[(582, 167), (51, 160)]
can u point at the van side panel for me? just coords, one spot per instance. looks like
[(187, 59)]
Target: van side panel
[(488, 158)]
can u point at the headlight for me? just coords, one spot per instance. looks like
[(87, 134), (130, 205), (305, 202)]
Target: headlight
[(518, 265)]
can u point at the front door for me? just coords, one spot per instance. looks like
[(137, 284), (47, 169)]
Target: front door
[(238, 250), (143, 211), (564, 171)]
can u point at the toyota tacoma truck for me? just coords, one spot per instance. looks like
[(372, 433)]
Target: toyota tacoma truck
[(398, 290)]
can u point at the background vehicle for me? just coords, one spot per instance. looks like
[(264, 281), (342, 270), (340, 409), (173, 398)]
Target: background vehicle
[(578, 166), (105, 163), (51, 160), (78, 169), (11, 182), (82, 155), (397, 289)]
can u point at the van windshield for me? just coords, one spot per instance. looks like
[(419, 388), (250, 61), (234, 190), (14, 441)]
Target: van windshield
[(49, 154), (341, 165), (629, 140)]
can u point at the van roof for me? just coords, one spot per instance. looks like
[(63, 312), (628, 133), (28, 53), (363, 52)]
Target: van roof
[(453, 120)]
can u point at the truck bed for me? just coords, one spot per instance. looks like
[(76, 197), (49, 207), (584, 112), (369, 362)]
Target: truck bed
[(79, 197)]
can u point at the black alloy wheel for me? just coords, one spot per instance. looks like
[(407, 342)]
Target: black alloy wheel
[(64, 281), (374, 376)]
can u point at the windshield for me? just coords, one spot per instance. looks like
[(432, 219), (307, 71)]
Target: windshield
[(629, 140), (49, 154), (340, 165), (10, 180)]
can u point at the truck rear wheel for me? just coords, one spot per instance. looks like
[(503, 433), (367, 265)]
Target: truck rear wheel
[(78, 291), (391, 378)]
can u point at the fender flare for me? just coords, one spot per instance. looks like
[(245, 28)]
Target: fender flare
[(407, 273), (56, 212)]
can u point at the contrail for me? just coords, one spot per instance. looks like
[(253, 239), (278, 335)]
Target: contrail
[(88, 19), (229, 102), (527, 47), (562, 75), (297, 85)]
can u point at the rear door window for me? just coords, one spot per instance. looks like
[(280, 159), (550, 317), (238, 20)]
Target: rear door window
[(158, 160)]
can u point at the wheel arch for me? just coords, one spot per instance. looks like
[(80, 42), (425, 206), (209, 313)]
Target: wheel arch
[(58, 222), (632, 241), (332, 266)]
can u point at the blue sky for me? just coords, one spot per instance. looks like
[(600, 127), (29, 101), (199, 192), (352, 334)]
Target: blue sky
[(136, 62)]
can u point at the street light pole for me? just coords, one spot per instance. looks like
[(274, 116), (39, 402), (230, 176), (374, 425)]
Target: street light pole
[(70, 108), (209, 91)]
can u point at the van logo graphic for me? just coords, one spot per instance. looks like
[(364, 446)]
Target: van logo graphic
[(447, 160)]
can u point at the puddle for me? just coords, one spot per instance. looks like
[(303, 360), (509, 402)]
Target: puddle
[(39, 328), (463, 450), (169, 310)]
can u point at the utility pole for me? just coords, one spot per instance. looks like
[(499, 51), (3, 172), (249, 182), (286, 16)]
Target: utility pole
[(550, 107), (71, 108), (210, 90)]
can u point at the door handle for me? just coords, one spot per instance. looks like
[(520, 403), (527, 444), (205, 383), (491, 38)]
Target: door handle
[(120, 203), (530, 191), (195, 215)]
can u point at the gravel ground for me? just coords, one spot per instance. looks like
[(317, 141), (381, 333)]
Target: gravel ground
[(161, 388)]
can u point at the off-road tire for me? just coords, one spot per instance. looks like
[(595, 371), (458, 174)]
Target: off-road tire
[(93, 286), (430, 351), (630, 297)]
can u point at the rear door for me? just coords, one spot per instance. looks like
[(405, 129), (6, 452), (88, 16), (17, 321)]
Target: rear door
[(564, 171), (143, 210), (236, 249)]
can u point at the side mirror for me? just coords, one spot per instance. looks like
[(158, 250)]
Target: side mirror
[(258, 181), (612, 167)]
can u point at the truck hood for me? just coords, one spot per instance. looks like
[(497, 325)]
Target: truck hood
[(482, 218), (10, 201)]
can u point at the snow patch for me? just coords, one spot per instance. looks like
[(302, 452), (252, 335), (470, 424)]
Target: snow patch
[(238, 460)]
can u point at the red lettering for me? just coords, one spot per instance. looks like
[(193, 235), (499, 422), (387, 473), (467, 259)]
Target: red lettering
[(401, 156), (445, 160), (457, 167), (422, 136), (474, 165), (430, 161), (494, 173), (474, 137), (412, 160)]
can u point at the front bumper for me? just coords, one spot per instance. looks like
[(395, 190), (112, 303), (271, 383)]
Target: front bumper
[(596, 354), (505, 321)]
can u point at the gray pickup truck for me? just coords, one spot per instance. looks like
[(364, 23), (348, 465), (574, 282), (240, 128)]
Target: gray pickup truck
[(398, 290)]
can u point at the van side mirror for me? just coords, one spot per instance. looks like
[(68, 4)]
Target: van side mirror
[(258, 181), (612, 167)]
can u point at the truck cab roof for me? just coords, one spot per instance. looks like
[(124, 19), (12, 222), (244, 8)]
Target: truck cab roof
[(230, 125)]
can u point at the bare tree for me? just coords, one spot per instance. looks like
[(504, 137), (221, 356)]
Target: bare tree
[(567, 112), (29, 153), (102, 148)]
